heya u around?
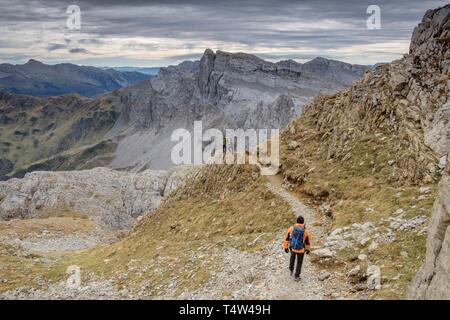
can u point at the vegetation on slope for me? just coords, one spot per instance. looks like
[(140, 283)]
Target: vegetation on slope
[(362, 178), (221, 208)]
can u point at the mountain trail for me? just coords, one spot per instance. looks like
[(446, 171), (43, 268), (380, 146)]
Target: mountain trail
[(310, 287), (265, 274)]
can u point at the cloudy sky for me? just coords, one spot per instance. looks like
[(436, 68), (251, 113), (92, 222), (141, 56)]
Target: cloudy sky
[(158, 33)]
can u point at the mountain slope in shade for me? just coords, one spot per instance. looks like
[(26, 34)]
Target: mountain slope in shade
[(38, 79), (370, 158)]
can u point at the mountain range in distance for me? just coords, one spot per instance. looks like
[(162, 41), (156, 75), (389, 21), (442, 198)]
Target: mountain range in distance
[(38, 79), (151, 71)]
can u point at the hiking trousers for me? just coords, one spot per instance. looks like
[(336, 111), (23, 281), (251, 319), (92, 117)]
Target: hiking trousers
[(299, 258)]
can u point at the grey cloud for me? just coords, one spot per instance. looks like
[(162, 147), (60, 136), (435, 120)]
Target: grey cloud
[(247, 23), (91, 41)]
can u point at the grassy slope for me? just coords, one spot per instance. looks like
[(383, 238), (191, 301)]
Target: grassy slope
[(229, 206), (361, 179)]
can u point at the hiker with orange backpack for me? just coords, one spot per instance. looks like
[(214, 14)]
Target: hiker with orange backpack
[(297, 241)]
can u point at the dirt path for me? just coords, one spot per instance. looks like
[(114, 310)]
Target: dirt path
[(275, 185)]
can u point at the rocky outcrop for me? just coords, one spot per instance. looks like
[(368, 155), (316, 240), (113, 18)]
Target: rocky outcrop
[(112, 198), (430, 44), (433, 280)]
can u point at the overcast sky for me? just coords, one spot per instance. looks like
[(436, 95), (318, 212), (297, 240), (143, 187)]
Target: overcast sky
[(158, 33)]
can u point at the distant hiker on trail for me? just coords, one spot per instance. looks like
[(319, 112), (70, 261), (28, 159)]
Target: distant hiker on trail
[(297, 241)]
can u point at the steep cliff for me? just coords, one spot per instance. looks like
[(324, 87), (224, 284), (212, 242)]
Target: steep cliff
[(433, 280), (39, 79)]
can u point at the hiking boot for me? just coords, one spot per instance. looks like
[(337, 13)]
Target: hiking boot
[(297, 279)]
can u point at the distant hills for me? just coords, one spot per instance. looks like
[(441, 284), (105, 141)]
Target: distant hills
[(39, 79)]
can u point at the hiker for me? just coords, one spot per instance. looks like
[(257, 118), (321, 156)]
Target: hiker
[(297, 241)]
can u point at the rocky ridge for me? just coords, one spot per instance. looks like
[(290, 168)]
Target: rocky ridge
[(383, 141)]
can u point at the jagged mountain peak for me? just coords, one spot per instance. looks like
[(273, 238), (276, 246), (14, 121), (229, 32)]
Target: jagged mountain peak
[(432, 32)]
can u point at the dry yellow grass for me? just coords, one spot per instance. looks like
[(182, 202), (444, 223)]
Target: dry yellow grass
[(362, 186), (222, 207)]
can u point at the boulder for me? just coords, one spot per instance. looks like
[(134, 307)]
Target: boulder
[(397, 82), (373, 277), (373, 246), (324, 275), (324, 253)]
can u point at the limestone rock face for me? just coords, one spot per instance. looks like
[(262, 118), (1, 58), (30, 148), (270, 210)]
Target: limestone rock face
[(433, 30), (224, 91), (112, 198), (130, 128), (433, 280)]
